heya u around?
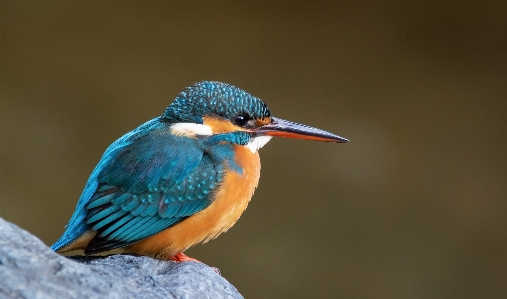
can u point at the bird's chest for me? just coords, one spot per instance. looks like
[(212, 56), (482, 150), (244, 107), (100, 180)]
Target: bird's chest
[(231, 198), (233, 194)]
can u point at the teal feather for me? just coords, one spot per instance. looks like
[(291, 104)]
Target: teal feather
[(106, 188), (103, 213), (129, 204), (108, 219), (150, 210), (131, 233), (115, 225), (139, 210), (116, 235), (168, 211), (101, 200), (121, 199)]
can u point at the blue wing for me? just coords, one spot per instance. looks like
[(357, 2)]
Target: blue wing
[(146, 181)]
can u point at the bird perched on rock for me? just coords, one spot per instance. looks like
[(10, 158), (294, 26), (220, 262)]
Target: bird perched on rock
[(180, 179)]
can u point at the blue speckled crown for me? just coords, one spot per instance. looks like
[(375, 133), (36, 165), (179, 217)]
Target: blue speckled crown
[(214, 99)]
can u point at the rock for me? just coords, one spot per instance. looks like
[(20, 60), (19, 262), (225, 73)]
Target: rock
[(29, 269)]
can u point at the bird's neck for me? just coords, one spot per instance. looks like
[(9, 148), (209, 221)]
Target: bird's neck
[(236, 137)]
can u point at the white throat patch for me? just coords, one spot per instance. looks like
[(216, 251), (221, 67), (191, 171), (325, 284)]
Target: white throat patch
[(190, 129), (256, 143)]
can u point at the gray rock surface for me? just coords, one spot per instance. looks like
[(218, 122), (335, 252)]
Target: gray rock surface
[(29, 269)]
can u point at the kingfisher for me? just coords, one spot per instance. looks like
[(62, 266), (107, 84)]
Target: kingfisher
[(180, 179)]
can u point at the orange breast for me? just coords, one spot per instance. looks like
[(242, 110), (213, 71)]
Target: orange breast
[(230, 201)]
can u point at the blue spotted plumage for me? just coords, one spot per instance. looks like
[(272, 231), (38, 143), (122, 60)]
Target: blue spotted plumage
[(214, 98), (155, 177)]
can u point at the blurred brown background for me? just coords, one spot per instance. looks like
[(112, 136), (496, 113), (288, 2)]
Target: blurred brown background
[(414, 207)]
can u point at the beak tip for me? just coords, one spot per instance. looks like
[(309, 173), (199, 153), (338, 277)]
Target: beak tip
[(339, 139)]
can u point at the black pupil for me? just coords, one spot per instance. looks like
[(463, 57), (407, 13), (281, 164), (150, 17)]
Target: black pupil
[(241, 120)]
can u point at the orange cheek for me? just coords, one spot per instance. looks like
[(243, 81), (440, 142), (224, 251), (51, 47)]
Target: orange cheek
[(219, 126), (263, 121)]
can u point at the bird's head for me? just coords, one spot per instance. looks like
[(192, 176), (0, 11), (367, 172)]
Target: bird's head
[(215, 108)]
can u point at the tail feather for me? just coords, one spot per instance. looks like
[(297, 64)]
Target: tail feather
[(70, 236)]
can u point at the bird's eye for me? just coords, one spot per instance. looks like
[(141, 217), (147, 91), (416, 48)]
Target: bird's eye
[(241, 120)]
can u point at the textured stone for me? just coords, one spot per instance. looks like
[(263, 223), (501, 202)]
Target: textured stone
[(29, 269)]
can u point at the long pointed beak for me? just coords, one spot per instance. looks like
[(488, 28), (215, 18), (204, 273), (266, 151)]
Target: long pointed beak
[(284, 128)]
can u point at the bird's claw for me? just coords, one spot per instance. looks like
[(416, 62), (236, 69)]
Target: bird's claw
[(181, 257)]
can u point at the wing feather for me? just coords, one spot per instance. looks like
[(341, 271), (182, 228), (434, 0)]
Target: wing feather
[(147, 181)]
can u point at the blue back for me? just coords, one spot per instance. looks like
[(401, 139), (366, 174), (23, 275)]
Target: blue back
[(146, 181)]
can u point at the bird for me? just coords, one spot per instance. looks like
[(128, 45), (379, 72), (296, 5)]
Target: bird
[(180, 179)]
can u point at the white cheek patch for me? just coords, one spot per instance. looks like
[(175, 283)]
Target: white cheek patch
[(190, 129), (256, 143)]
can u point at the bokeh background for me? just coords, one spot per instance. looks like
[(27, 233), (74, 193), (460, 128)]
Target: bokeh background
[(415, 206)]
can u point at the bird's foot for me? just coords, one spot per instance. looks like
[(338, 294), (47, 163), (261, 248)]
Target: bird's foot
[(181, 257)]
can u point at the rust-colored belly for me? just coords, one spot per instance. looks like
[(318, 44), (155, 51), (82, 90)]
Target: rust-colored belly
[(230, 201)]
